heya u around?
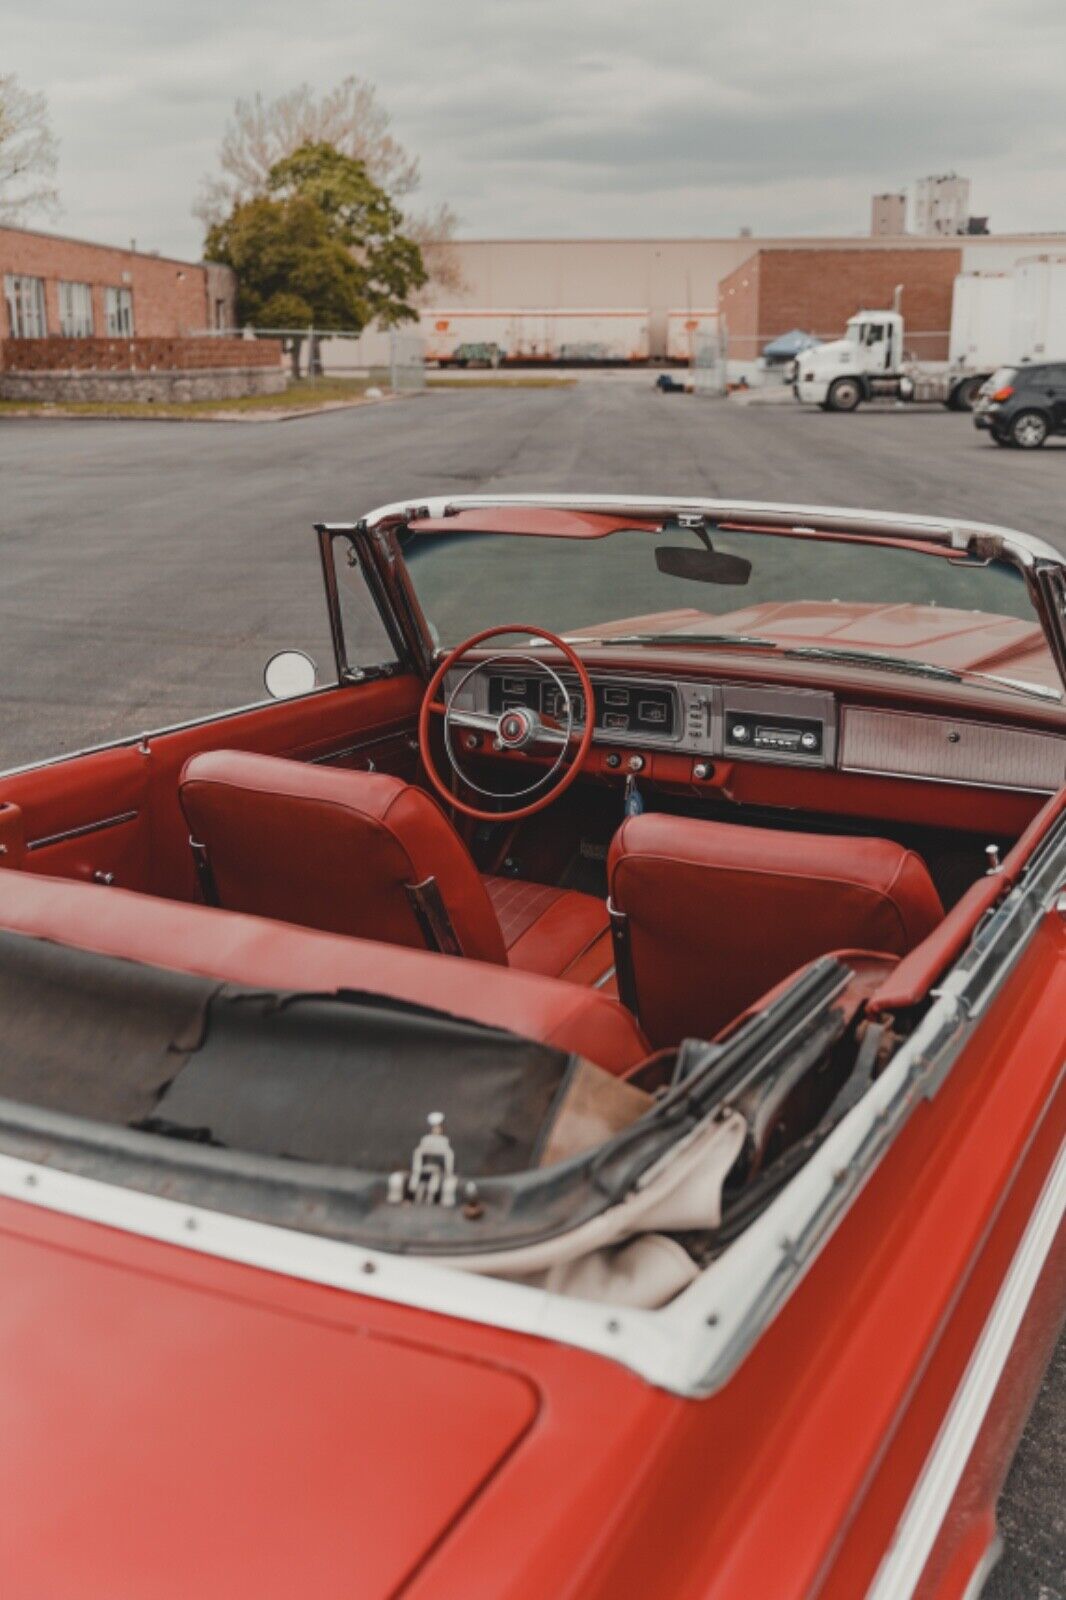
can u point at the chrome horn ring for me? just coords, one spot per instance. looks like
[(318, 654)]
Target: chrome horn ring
[(535, 732)]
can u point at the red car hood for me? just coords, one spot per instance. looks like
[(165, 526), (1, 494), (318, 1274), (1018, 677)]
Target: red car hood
[(172, 1438), (961, 640)]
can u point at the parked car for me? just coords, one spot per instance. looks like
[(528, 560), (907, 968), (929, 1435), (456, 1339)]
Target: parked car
[(1024, 405), (476, 354), (560, 1109)]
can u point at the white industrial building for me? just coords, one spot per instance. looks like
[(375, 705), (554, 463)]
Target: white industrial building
[(941, 205), (650, 287)]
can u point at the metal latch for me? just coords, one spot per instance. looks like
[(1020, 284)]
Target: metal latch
[(431, 1180)]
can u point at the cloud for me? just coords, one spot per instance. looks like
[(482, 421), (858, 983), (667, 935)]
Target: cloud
[(572, 116)]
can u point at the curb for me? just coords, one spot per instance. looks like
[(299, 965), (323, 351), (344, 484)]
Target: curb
[(57, 414)]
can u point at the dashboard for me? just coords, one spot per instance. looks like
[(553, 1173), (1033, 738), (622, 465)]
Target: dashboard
[(796, 726), (787, 726)]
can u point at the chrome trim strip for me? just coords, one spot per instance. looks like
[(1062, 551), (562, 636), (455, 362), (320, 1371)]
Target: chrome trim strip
[(80, 832), (952, 783), (930, 1501), (955, 532), (132, 739)]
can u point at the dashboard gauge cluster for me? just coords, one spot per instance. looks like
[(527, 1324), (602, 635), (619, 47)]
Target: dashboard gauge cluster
[(631, 710)]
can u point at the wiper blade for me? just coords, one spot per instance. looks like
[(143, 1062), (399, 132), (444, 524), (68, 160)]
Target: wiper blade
[(870, 658), (746, 640)]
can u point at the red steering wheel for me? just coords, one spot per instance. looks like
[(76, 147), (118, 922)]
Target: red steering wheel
[(517, 727)]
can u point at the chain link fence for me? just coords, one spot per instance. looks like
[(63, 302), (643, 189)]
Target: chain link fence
[(707, 367), (407, 361), (396, 356)]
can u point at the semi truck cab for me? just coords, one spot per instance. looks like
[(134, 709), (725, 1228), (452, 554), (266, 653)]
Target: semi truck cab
[(869, 361)]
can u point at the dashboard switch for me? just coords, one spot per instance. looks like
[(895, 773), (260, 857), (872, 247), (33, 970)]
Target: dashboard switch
[(614, 760), (702, 771), (636, 763)]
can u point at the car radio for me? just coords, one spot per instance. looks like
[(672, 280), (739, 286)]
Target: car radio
[(789, 734), (778, 725)]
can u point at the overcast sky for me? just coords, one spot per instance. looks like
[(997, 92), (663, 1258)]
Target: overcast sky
[(571, 117)]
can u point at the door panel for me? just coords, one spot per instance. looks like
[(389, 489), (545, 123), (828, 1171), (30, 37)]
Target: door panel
[(87, 817), (115, 812)]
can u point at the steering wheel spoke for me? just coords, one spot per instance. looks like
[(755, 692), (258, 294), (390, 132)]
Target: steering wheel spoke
[(482, 721), (548, 733)]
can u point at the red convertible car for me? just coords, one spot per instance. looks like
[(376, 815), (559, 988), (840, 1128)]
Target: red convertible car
[(571, 1106)]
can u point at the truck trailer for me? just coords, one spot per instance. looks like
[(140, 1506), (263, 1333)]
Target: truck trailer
[(981, 317), (1038, 320), (538, 338)]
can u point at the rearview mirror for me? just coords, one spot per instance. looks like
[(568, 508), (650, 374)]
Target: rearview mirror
[(288, 674), (702, 566)]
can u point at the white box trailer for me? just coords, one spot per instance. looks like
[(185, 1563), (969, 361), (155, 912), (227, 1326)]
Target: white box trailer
[(1038, 321), (687, 330), (462, 337), (981, 313), (595, 337)]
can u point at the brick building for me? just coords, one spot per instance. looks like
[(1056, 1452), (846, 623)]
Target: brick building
[(68, 288), (818, 289)]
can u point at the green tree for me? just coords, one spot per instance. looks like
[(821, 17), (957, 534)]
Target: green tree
[(322, 248)]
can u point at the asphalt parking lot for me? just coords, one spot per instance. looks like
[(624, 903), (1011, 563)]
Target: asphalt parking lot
[(147, 570)]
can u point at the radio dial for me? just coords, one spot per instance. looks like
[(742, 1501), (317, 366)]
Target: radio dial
[(739, 733), (809, 741)]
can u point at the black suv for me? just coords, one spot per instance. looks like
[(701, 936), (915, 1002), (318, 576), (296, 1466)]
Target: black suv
[(1023, 406)]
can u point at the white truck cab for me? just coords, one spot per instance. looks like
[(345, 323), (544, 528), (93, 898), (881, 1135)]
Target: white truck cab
[(869, 361)]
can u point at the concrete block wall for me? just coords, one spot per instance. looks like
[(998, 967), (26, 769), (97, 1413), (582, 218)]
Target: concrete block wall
[(120, 388)]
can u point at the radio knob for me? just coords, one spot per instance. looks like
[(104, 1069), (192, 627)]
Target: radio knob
[(809, 741), (739, 733)]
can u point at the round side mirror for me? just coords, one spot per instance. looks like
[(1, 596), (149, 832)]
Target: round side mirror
[(289, 673)]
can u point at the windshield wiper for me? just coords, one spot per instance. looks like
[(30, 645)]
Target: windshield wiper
[(870, 658), (746, 641)]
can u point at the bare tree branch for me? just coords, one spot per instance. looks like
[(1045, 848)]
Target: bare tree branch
[(433, 231), (28, 153), (350, 118), (262, 132)]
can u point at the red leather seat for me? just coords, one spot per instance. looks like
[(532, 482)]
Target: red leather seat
[(369, 856), (709, 915), (275, 955)]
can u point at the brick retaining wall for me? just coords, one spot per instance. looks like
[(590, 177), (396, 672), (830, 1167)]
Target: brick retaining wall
[(137, 355)]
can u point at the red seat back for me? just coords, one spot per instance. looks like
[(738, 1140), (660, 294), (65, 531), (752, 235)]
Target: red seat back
[(332, 850), (716, 913)]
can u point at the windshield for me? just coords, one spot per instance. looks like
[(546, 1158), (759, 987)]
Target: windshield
[(781, 592)]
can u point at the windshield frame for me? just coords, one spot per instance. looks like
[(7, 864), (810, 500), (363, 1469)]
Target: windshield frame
[(1042, 568)]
